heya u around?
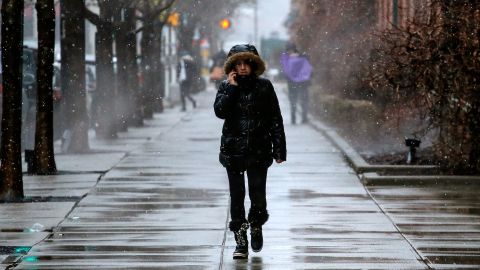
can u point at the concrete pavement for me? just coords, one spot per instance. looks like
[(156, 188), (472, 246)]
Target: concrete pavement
[(163, 204)]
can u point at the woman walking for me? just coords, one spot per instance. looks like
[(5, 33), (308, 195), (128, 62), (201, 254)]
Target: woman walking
[(252, 137), (186, 70)]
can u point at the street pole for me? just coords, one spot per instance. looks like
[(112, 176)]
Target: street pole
[(255, 23)]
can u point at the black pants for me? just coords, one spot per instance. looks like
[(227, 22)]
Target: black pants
[(298, 92), (185, 88), (257, 180)]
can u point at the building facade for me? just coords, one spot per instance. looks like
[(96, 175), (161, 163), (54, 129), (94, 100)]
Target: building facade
[(399, 13)]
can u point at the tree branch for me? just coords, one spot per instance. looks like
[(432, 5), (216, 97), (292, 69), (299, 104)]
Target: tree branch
[(149, 19), (158, 10), (159, 24), (93, 17)]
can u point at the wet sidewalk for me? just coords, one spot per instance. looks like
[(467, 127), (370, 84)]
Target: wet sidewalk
[(165, 206)]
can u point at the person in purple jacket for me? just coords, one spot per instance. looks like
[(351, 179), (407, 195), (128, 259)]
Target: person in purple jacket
[(298, 71)]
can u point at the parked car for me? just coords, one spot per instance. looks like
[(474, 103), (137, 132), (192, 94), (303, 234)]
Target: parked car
[(91, 88), (29, 93), (29, 97)]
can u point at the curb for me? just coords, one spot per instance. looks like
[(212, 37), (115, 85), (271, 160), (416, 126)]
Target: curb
[(373, 179), (359, 164)]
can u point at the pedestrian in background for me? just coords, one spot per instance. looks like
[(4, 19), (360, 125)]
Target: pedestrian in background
[(252, 137), (186, 70), (297, 69)]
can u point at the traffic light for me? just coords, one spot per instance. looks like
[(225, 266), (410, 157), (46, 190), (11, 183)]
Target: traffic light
[(225, 23)]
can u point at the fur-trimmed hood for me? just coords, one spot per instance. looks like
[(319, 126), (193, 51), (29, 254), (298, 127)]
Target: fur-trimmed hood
[(246, 53)]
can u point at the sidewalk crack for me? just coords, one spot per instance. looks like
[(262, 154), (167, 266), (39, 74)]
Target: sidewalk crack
[(424, 260), (225, 230)]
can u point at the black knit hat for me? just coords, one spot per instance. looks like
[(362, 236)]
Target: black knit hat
[(246, 52), (290, 46)]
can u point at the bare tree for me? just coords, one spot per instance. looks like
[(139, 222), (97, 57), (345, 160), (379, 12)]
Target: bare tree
[(125, 47), (430, 68), (73, 75), (44, 159), (151, 46), (334, 35), (202, 17), (11, 183), (106, 110)]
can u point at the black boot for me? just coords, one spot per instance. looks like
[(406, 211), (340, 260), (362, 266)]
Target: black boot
[(256, 238), (257, 217), (241, 251)]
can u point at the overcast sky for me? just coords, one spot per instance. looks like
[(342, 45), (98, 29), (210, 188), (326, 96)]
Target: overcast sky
[(271, 16)]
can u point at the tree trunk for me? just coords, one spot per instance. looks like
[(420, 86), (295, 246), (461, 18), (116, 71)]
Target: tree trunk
[(125, 44), (148, 59), (185, 37), (73, 76), (11, 182), (124, 97), (136, 114), (474, 155), (44, 159), (158, 70), (154, 88), (187, 45), (136, 87), (106, 110)]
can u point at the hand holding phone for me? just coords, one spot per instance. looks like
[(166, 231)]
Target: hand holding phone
[(232, 77)]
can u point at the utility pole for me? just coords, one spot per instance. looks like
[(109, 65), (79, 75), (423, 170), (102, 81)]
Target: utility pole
[(255, 23)]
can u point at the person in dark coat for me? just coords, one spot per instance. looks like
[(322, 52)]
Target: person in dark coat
[(186, 70), (252, 137)]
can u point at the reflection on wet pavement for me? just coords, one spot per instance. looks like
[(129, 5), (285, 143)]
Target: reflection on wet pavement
[(165, 207), (442, 221)]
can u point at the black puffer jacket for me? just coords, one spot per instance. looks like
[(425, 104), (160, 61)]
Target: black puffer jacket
[(253, 131)]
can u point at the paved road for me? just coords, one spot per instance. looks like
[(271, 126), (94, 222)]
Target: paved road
[(165, 206)]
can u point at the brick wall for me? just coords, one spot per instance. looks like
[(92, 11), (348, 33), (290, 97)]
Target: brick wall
[(398, 12)]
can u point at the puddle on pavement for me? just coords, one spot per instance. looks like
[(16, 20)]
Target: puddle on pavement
[(14, 250), (456, 259)]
